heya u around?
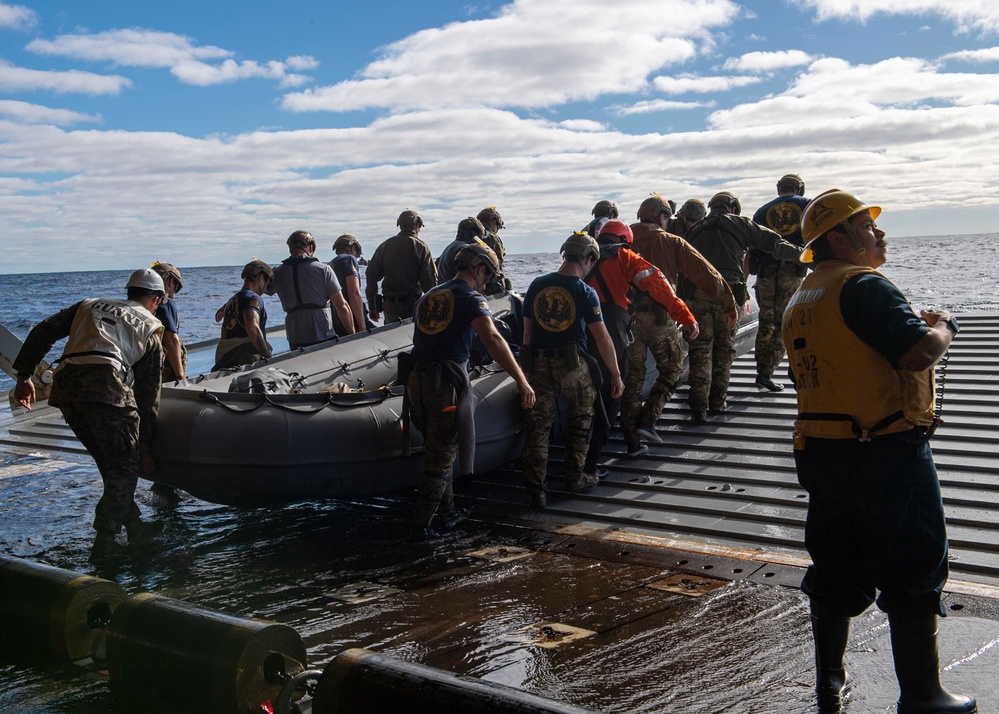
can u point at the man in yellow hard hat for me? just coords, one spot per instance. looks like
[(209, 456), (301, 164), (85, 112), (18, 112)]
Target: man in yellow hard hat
[(862, 360)]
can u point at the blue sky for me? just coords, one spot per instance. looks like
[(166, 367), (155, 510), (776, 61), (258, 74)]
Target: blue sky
[(205, 133)]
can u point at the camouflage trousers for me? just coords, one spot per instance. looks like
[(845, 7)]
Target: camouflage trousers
[(432, 413), (552, 377), (668, 350), (111, 435), (396, 309), (711, 354), (772, 293)]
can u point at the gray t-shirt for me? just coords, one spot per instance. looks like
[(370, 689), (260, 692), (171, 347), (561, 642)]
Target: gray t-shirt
[(305, 285)]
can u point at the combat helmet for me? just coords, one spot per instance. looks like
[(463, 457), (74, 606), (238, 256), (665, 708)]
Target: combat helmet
[(792, 181), (257, 267), (729, 200), (147, 279), (476, 254), (347, 241), (166, 270), (619, 229), (653, 207), (825, 212), (470, 228), (693, 209), (605, 208), (301, 239), (580, 244), (491, 214), (409, 218)]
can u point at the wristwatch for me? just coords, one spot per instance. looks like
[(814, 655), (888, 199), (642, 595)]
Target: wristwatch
[(952, 325)]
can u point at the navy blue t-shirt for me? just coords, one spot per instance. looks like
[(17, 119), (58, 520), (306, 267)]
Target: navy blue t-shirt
[(343, 265), (879, 314), (443, 319), (232, 320), (167, 314), (560, 307)]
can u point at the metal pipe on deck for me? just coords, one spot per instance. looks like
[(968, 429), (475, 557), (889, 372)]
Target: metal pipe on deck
[(51, 613), (165, 655), (362, 681)]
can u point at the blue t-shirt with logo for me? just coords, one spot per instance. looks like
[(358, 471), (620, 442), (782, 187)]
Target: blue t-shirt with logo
[(560, 307), (443, 322)]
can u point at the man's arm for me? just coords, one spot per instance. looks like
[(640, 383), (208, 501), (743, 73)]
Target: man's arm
[(37, 344), (146, 388), (497, 347), (171, 347), (428, 271), (598, 330), (528, 331), (931, 346), (352, 283), (251, 323), (343, 311), (769, 241)]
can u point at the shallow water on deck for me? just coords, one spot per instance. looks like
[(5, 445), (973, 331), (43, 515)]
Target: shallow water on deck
[(741, 648)]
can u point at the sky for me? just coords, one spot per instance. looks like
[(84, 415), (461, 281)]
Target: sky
[(204, 133)]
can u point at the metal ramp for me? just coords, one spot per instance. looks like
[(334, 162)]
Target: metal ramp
[(729, 487)]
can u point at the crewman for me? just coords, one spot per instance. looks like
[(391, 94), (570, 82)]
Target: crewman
[(406, 266), (437, 384), (244, 320), (175, 361), (307, 289), (559, 310), (107, 386), (777, 280), (492, 222), (347, 249), (692, 211), (470, 230), (602, 212), (862, 363), (618, 272), (653, 328), (723, 237)]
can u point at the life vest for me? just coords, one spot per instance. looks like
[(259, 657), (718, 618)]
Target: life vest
[(115, 332), (846, 388)]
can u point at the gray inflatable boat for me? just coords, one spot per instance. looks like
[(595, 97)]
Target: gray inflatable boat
[(296, 426)]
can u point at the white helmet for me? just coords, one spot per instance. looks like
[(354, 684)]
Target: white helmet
[(146, 278)]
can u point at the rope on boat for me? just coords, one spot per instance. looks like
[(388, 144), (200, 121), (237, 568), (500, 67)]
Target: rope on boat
[(328, 399)]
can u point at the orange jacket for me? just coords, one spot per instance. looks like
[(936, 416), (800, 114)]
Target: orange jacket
[(626, 269)]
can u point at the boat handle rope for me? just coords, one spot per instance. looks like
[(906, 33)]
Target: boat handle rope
[(375, 396)]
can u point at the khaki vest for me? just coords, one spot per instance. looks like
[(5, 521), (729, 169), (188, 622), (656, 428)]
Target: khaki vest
[(846, 389), (115, 332)]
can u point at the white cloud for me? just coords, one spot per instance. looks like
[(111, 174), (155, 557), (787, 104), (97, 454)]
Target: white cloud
[(21, 79), (767, 61), (981, 16), (37, 114), (686, 84), (188, 62), (17, 17), (655, 105), (989, 54), (532, 54)]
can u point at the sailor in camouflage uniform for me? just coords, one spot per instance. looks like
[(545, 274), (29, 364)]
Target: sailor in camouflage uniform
[(558, 312), (723, 237), (406, 269), (437, 384), (107, 386), (777, 280), (654, 330)]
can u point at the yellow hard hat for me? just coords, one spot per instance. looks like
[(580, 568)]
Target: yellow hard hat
[(825, 212)]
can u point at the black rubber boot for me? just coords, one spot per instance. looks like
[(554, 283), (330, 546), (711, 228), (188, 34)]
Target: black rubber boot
[(917, 665), (832, 684), (142, 531), (106, 548)]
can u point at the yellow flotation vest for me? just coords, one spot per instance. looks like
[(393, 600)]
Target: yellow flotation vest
[(846, 389)]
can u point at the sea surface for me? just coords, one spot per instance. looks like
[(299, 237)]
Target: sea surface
[(278, 563)]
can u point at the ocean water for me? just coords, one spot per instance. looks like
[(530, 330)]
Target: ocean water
[(959, 273)]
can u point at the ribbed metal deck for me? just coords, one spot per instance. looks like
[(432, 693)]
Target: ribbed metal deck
[(728, 486)]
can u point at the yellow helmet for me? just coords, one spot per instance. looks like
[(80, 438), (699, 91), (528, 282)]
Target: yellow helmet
[(825, 212)]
